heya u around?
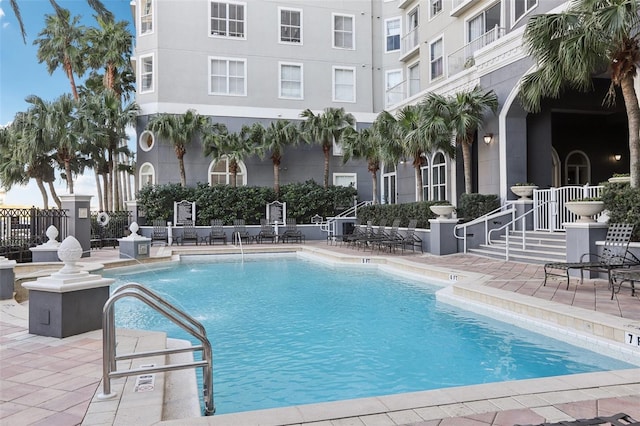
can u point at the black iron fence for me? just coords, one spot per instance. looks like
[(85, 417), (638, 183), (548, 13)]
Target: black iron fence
[(21, 229), (107, 227)]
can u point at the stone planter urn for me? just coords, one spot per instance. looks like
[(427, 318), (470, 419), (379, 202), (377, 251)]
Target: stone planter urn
[(442, 210), (523, 191), (585, 209), (620, 179)]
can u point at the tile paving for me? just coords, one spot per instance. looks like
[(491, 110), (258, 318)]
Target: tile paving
[(48, 381)]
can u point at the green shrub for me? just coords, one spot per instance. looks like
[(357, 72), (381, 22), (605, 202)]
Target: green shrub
[(304, 200), (472, 206), (623, 203), (405, 212)]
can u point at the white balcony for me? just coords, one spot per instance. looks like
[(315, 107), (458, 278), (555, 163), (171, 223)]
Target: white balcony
[(463, 58), (409, 44)]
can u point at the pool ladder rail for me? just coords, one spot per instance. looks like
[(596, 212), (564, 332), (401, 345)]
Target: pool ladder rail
[(174, 314)]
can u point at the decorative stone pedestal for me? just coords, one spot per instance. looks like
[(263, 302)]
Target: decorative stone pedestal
[(7, 278), (47, 252), (522, 207), (134, 246), (442, 239), (581, 239), (70, 301)]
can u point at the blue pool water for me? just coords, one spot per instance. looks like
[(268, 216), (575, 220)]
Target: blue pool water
[(288, 331)]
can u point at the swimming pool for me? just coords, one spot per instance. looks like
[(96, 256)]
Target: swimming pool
[(287, 331)]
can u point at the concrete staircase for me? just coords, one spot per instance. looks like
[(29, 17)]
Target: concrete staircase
[(540, 247)]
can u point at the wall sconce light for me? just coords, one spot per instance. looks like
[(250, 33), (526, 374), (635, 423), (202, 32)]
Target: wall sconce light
[(617, 157), (488, 138), (403, 160)]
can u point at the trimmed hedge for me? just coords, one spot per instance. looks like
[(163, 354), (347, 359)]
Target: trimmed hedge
[(472, 206), (623, 203), (304, 200), (405, 212)]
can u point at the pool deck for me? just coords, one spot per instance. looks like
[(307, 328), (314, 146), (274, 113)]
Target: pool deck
[(49, 381)]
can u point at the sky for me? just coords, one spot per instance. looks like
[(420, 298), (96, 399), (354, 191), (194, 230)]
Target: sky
[(21, 75)]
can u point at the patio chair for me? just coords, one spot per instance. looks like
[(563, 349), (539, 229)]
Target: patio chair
[(621, 276), (292, 233), (266, 232), (410, 238), (189, 233), (615, 254), (359, 234), (216, 233), (159, 232), (240, 232), (377, 234), (393, 238)]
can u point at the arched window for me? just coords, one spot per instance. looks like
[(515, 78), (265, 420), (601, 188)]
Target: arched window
[(219, 173), (426, 171), (147, 175), (146, 140), (438, 177), (389, 189), (577, 168)]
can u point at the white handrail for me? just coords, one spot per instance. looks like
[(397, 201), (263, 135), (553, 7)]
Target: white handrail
[(239, 238), (495, 213)]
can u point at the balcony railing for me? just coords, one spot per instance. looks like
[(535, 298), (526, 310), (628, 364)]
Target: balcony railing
[(401, 91), (410, 41), (463, 58)]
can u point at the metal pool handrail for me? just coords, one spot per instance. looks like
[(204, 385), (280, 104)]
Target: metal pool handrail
[(174, 314)]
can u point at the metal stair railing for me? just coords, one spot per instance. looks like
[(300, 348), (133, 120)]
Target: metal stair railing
[(330, 225), (512, 223), (486, 218), (177, 316)]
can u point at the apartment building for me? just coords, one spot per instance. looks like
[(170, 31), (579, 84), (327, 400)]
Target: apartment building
[(239, 62)]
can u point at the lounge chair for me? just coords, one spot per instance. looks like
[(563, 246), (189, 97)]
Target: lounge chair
[(410, 238), (615, 254), (621, 276), (217, 232), (266, 232), (159, 232), (393, 238), (359, 234), (240, 232), (292, 233), (378, 233), (189, 233)]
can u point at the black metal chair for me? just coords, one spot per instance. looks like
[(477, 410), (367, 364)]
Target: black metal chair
[(217, 232), (159, 232), (292, 233), (189, 233), (266, 232)]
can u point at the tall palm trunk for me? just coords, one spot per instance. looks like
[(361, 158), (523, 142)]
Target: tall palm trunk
[(68, 69), (276, 178), (466, 158), (67, 170), (633, 117), (43, 192), (233, 168), (54, 194), (99, 190), (116, 185), (326, 149), (373, 168)]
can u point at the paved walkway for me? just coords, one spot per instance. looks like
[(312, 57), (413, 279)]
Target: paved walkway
[(48, 381)]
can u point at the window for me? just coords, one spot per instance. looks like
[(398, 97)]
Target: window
[(412, 38), (389, 189), (146, 141), (146, 74), (577, 168), (479, 27), (345, 179), (147, 175), (439, 178), (146, 17), (343, 32), (425, 170), (437, 60), (290, 26), (219, 173), (522, 7), (434, 177), (228, 76), (394, 87), (414, 79), (436, 7), (392, 34), (227, 20), (291, 81), (344, 84)]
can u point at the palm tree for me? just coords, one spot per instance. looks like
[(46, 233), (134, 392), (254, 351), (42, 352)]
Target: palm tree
[(274, 138), (466, 117), (61, 45), (178, 130), (363, 144), (235, 147), (94, 4), (325, 129), (588, 38)]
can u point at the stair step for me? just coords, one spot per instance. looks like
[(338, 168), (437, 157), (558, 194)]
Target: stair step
[(517, 256)]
